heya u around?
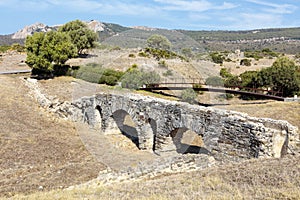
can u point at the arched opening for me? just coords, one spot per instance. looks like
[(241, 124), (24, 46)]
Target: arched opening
[(98, 118), (187, 141), (126, 125), (153, 125)]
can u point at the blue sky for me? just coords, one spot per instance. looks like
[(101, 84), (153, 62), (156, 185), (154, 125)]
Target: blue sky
[(171, 14)]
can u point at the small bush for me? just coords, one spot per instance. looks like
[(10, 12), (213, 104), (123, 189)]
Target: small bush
[(3, 49), (224, 73), (134, 78), (94, 73), (168, 73), (217, 58), (188, 95), (246, 62), (110, 77), (162, 63), (143, 54), (214, 81), (131, 55)]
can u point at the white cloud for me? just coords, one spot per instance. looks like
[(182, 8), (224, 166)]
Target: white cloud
[(195, 6), (246, 21), (275, 8)]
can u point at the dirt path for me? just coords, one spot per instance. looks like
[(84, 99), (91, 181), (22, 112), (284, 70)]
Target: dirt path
[(115, 151)]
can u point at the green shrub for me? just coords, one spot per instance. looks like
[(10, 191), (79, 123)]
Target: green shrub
[(224, 73), (162, 63), (134, 78), (4, 48), (110, 77), (168, 73), (94, 73), (188, 95), (246, 62), (143, 54), (131, 55), (214, 81), (217, 58), (17, 47)]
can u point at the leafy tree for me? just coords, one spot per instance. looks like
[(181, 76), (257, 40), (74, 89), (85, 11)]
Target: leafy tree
[(250, 79), (283, 76), (188, 95), (158, 42), (80, 34), (232, 81), (44, 50)]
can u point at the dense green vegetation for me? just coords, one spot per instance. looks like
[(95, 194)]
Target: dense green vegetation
[(14, 47), (46, 50), (4, 48), (283, 76), (261, 54), (81, 36), (54, 48)]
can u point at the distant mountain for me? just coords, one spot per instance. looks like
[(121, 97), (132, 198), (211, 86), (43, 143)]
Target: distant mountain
[(285, 40), (31, 29), (105, 30)]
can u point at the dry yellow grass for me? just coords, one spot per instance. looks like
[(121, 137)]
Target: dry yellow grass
[(253, 179), (289, 111)]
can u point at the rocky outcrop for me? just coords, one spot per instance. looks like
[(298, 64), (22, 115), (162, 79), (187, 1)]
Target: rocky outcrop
[(94, 25), (31, 29)]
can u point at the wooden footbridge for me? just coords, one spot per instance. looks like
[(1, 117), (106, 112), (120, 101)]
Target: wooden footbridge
[(198, 85)]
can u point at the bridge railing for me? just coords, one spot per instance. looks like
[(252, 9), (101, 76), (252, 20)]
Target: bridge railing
[(198, 82)]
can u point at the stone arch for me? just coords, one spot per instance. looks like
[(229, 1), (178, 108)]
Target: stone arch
[(187, 141), (126, 125)]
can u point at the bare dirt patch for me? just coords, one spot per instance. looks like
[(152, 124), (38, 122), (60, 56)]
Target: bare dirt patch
[(13, 61)]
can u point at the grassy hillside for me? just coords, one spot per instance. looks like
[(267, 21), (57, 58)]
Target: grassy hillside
[(138, 38), (290, 33)]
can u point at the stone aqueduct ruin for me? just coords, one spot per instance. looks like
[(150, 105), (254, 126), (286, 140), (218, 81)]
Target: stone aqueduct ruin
[(160, 126)]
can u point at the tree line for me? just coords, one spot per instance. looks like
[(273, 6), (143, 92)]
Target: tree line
[(283, 76)]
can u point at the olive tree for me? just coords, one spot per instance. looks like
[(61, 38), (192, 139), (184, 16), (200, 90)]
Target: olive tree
[(158, 42), (44, 50), (80, 34)]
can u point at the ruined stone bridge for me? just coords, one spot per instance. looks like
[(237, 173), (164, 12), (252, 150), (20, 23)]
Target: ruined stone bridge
[(162, 126)]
